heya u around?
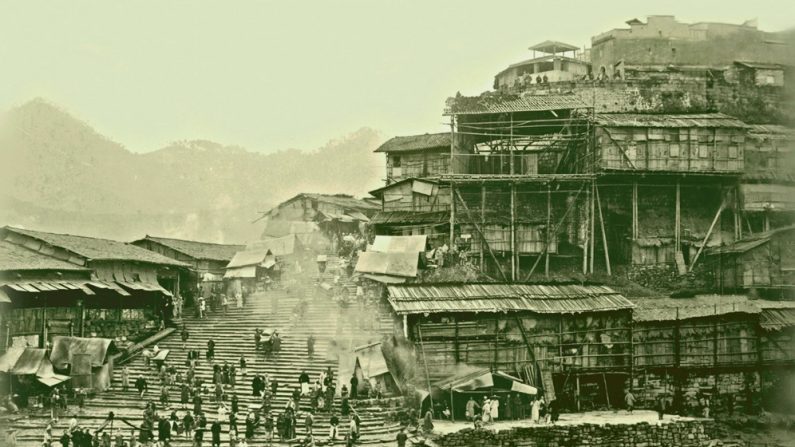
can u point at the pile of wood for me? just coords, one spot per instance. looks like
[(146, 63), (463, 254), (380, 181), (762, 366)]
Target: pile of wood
[(680, 433)]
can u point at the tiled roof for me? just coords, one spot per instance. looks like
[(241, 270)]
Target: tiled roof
[(94, 248), (687, 120), (14, 257), (527, 103), (555, 299), (416, 143), (198, 250)]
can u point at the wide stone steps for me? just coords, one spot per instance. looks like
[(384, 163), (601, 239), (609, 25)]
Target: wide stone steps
[(233, 333)]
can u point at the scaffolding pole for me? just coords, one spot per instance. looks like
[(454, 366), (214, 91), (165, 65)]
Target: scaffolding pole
[(513, 233), (604, 233), (549, 223)]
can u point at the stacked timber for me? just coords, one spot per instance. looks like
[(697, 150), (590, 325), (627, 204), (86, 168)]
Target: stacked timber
[(679, 433)]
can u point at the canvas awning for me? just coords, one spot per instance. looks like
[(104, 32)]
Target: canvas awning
[(63, 348), (393, 264), (242, 272), (53, 380), (384, 279), (483, 379), (9, 359), (371, 361), (211, 277), (29, 362), (400, 244)]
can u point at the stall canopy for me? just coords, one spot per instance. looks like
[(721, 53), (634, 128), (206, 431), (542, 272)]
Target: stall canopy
[(31, 362), (370, 360), (391, 264), (399, 244), (64, 348), (485, 380)]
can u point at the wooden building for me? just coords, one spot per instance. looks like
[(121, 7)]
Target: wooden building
[(569, 333), (203, 257), (768, 185), (718, 346), (691, 143), (763, 262), (318, 219), (424, 155), (42, 297)]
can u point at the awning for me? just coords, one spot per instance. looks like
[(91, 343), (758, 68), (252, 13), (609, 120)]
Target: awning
[(479, 380), (53, 380), (29, 362), (9, 359), (242, 272), (64, 348), (4, 297), (393, 264), (211, 277), (269, 263), (400, 244), (384, 279)]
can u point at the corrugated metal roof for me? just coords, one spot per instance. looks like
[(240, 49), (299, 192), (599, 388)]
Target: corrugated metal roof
[(414, 299), (94, 248), (196, 249), (650, 120), (671, 309), (281, 228), (399, 244), (428, 141), (499, 104)]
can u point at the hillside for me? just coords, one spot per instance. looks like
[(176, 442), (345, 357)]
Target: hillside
[(66, 176)]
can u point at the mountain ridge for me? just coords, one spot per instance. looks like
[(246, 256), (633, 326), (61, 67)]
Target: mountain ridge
[(197, 189)]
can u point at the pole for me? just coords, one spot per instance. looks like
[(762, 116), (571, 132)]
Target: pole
[(678, 219), (585, 242), (510, 145), (549, 230), (634, 211), (482, 224), (513, 231), (591, 232), (706, 238), (425, 364), (604, 234), (452, 213)]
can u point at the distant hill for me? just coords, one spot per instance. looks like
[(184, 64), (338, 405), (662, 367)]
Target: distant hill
[(62, 175)]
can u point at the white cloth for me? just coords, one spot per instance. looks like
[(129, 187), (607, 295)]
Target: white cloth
[(494, 409), (536, 410)]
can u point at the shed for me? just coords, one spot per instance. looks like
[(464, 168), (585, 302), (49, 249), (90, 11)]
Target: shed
[(760, 261), (371, 365), (88, 360)]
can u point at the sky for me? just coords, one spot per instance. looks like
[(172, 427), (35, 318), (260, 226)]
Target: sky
[(271, 75)]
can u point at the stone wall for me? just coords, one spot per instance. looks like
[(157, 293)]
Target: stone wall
[(731, 392), (680, 433)]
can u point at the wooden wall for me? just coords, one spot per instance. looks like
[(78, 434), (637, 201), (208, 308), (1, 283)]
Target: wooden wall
[(696, 149)]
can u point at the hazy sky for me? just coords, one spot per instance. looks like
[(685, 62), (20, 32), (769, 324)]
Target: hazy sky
[(270, 75)]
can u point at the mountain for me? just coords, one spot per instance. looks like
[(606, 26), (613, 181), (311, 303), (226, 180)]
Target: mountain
[(62, 175)]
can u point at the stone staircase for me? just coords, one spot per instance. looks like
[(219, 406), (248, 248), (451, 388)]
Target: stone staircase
[(233, 333)]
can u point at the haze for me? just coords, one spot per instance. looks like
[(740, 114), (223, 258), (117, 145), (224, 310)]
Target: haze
[(273, 75)]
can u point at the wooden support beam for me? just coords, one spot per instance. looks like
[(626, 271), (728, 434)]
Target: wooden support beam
[(635, 231), (554, 232), (424, 362), (549, 230), (452, 213), (706, 238), (586, 226), (678, 218), (513, 230), (591, 230), (604, 233), (482, 224), (480, 233)]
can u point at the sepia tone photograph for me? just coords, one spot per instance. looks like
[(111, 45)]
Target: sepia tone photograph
[(347, 223)]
